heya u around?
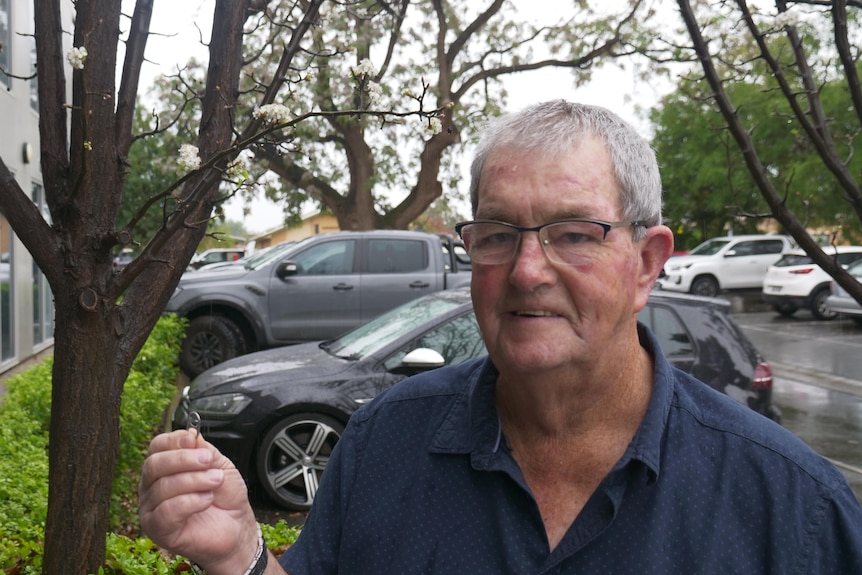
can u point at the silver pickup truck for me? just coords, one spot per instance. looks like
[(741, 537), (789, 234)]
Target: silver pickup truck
[(316, 289)]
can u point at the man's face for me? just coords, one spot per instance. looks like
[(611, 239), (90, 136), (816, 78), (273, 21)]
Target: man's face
[(537, 315)]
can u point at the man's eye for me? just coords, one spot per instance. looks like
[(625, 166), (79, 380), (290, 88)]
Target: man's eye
[(495, 239), (572, 238)]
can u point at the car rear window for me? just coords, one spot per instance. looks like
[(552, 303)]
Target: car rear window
[(793, 260), (788, 260)]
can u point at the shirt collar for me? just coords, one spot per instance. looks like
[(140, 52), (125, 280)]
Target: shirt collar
[(473, 426)]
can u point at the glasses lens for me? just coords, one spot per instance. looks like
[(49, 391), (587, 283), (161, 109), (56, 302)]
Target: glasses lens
[(490, 243), (571, 242)]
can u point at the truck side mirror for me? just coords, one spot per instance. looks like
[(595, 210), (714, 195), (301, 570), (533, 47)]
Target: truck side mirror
[(286, 269)]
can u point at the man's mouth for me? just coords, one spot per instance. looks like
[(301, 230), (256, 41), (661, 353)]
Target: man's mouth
[(530, 313)]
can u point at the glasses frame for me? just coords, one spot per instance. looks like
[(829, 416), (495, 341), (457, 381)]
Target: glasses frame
[(606, 226)]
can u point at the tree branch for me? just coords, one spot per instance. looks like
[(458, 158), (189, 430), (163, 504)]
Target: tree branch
[(127, 94)]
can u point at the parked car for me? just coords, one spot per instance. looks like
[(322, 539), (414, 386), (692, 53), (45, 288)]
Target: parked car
[(123, 258), (724, 263), (277, 414), (841, 302), (316, 289), (795, 281), (215, 255), (249, 261)]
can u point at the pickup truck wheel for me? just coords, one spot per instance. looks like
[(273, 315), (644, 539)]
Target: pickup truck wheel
[(705, 286), (291, 458), (818, 305), (209, 341)]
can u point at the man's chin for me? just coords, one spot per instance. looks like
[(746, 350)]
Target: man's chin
[(533, 355)]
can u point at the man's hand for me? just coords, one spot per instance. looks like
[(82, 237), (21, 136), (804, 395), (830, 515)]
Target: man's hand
[(194, 503)]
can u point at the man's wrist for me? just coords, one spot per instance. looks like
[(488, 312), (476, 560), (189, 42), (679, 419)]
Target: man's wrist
[(258, 563)]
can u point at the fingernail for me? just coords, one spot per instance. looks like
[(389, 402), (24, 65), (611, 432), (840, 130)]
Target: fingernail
[(204, 456), (215, 475), (187, 441)]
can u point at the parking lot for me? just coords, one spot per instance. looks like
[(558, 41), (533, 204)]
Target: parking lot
[(818, 381)]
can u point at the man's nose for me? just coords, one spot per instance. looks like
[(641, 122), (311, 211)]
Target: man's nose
[(531, 260)]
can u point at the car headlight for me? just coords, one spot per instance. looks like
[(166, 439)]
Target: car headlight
[(223, 406)]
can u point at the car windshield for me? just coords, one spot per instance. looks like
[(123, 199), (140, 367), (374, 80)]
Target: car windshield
[(266, 257), (708, 248), (381, 331)]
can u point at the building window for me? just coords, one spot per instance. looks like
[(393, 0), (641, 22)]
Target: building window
[(7, 339), (43, 298), (34, 81), (5, 42)]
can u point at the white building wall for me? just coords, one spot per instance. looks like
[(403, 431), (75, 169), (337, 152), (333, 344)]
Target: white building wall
[(19, 149)]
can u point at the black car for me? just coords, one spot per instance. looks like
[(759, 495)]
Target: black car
[(277, 414)]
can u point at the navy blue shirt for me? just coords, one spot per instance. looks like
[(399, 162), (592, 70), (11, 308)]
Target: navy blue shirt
[(422, 482)]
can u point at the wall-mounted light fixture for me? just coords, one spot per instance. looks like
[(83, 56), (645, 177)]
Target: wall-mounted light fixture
[(27, 152)]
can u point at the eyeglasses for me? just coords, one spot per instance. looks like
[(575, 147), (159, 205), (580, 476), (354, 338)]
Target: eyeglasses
[(568, 242)]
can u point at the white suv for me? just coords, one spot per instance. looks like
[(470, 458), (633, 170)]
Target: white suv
[(795, 281), (725, 263)]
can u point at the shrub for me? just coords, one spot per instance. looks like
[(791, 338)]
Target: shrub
[(24, 418), (140, 556)]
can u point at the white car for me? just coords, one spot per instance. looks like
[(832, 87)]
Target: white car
[(842, 302), (796, 282), (724, 263)]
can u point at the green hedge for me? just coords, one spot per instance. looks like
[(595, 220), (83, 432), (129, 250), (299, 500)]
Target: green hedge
[(24, 416)]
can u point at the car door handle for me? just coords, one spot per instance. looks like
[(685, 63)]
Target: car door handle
[(342, 287), (419, 284)]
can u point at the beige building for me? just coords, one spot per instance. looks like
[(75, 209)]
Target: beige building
[(26, 303), (310, 226)]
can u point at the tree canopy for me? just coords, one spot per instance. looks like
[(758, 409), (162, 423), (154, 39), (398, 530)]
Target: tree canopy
[(708, 188), (801, 47), (382, 170)]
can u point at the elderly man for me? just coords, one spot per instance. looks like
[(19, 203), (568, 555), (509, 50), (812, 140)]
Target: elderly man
[(574, 447)]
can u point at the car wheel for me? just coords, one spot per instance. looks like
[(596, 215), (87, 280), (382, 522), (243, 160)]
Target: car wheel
[(292, 456), (210, 340), (705, 286), (818, 305), (786, 309)]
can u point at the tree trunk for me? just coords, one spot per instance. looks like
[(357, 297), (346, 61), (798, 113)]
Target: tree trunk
[(89, 370)]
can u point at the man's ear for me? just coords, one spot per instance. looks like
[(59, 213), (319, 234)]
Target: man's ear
[(656, 248)]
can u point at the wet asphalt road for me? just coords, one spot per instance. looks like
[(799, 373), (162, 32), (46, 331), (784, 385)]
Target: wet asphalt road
[(817, 369)]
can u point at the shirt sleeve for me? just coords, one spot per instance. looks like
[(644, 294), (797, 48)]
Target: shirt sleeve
[(836, 542)]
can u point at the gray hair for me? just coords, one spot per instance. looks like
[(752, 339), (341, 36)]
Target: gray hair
[(558, 126)]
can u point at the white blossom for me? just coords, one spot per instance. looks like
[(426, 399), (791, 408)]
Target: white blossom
[(236, 170), (375, 94), (189, 158), (273, 113), (787, 18), (433, 127), (364, 68), (77, 57)]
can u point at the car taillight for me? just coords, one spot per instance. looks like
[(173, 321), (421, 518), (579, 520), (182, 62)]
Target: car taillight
[(803, 271), (762, 377)]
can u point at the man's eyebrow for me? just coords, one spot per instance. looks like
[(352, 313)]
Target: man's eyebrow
[(498, 217), (493, 215)]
